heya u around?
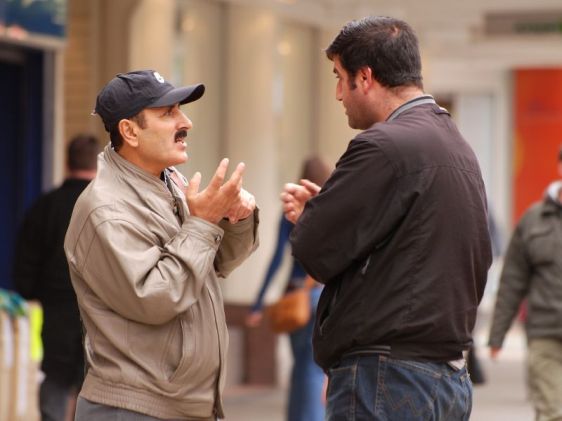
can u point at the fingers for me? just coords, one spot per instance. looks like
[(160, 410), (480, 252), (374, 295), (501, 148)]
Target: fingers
[(243, 208), (311, 187), (220, 173), (193, 186), (290, 188), (221, 199), (234, 183), (294, 197)]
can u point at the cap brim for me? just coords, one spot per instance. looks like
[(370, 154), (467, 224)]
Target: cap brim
[(179, 95)]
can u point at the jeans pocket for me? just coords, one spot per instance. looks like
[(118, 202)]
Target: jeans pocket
[(340, 404), (416, 391)]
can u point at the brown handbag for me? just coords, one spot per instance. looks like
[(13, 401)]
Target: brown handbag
[(292, 311)]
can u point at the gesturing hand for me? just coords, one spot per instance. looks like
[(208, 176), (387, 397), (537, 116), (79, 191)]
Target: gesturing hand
[(242, 208), (215, 201), (295, 196)]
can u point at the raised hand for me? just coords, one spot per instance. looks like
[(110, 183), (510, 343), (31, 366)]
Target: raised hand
[(215, 201), (295, 196), (243, 208)]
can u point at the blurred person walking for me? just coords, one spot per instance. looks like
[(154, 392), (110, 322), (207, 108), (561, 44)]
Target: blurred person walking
[(305, 402), (41, 273), (533, 270), (398, 235), (473, 364), (145, 251)]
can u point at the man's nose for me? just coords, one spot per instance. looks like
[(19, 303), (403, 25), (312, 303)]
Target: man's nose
[(185, 122), (338, 93)]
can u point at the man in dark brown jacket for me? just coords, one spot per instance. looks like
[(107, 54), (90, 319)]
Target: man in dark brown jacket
[(398, 235), (533, 270)]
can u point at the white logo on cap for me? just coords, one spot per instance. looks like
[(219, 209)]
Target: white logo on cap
[(158, 77)]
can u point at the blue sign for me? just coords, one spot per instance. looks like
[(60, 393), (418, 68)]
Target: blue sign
[(41, 17)]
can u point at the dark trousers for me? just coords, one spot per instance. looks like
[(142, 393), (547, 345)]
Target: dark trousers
[(54, 399)]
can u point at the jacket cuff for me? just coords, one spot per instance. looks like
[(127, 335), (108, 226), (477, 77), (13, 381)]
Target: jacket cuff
[(203, 229), (241, 226)]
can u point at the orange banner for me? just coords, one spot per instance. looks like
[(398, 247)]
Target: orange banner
[(537, 134)]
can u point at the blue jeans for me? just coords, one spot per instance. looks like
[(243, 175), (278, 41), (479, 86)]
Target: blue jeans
[(377, 387), (305, 393)]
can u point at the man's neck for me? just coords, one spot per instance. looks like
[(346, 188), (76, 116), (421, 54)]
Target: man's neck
[(398, 96)]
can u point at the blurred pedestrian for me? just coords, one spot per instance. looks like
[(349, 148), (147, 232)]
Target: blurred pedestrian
[(398, 235), (533, 270), (41, 273), (307, 378), (145, 251), (473, 364)]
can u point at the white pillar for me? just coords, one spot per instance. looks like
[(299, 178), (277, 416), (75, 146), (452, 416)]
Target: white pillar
[(151, 36), (249, 131)]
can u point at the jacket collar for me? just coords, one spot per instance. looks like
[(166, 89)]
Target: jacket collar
[(128, 171), (420, 100)]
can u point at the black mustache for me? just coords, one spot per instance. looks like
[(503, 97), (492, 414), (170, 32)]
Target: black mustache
[(181, 134)]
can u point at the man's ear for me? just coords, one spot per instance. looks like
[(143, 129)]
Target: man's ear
[(365, 78), (129, 132)]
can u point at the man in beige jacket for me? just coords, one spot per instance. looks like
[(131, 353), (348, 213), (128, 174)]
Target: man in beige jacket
[(145, 250)]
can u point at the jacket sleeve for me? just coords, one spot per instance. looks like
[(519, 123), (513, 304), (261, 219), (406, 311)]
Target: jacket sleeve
[(514, 286), (357, 210), (239, 241), (140, 280)]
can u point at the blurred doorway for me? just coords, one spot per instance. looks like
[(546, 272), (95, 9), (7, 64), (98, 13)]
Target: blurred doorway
[(21, 120)]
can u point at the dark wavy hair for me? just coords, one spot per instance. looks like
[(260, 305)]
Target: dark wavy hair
[(387, 45)]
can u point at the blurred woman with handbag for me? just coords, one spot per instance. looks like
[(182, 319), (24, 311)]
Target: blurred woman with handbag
[(305, 401)]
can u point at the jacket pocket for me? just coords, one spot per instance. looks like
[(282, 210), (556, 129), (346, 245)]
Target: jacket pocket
[(184, 343), (160, 350), (172, 354)]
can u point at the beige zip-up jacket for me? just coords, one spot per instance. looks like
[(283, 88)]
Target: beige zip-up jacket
[(146, 278)]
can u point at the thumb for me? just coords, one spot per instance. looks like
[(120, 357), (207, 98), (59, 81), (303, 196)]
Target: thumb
[(193, 186)]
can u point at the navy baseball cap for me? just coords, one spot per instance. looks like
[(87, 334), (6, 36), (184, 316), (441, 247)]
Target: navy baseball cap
[(127, 94)]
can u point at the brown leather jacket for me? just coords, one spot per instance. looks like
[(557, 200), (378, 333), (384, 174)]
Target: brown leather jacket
[(145, 275)]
